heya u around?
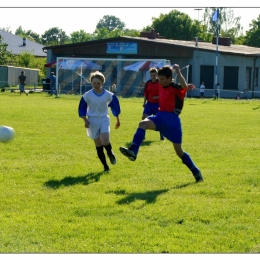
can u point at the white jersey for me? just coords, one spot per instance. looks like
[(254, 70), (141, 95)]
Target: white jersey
[(97, 104)]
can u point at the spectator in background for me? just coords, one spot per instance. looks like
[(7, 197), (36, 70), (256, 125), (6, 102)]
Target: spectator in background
[(113, 89), (53, 84), (202, 89), (22, 82), (217, 91)]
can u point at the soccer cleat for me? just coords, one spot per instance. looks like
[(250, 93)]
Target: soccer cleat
[(128, 153), (161, 137), (106, 168), (112, 158), (198, 176)]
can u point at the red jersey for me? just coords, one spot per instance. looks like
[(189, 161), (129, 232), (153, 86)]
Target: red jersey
[(152, 89), (172, 98)]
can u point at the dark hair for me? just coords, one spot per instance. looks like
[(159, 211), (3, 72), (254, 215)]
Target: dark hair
[(52, 73), (165, 71), (22, 72)]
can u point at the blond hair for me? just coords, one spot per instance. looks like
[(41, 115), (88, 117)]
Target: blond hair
[(98, 75), (153, 70)]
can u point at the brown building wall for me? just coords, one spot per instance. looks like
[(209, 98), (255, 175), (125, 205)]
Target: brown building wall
[(145, 50)]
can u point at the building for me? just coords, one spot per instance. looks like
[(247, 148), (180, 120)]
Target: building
[(9, 76), (237, 65), (18, 44)]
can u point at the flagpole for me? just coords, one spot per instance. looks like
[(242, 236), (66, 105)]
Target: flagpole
[(216, 72), (216, 75)]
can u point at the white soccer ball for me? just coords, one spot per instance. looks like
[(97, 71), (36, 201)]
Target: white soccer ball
[(7, 133)]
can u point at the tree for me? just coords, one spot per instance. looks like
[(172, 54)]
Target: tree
[(6, 29), (30, 35), (176, 25), (19, 31), (229, 25), (25, 59), (80, 36), (252, 37), (104, 33), (54, 36), (101, 33), (5, 55), (131, 32), (28, 60), (110, 22)]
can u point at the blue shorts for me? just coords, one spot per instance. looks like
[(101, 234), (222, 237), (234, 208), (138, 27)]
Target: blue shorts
[(151, 108), (169, 124), (21, 87)]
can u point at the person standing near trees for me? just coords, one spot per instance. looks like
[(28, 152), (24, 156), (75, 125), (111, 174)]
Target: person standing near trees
[(22, 82)]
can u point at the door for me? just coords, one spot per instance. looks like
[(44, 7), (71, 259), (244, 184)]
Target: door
[(230, 78), (207, 76)]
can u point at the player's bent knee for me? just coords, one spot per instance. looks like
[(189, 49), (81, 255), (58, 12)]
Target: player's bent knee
[(147, 124), (144, 116)]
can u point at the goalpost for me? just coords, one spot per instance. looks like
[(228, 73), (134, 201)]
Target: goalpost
[(129, 75)]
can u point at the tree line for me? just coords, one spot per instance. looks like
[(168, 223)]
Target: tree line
[(174, 25)]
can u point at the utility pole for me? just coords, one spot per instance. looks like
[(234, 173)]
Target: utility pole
[(198, 9)]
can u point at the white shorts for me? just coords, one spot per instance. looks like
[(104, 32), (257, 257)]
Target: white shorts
[(97, 126)]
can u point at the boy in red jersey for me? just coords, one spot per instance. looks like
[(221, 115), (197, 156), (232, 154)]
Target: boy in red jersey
[(166, 119), (151, 96)]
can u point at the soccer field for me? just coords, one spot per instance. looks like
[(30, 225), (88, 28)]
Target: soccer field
[(55, 197)]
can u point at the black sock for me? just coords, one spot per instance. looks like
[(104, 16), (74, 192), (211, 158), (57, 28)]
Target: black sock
[(101, 155), (108, 148)]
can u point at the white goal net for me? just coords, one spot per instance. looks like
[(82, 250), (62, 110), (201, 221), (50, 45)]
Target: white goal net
[(129, 75)]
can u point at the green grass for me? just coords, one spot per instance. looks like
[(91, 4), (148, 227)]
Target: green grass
[(56, 199)]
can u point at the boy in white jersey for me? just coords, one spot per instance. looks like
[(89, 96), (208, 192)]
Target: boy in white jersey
[(93, 109)]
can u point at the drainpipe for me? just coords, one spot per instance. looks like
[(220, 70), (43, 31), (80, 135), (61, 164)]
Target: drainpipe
[(253, 90)]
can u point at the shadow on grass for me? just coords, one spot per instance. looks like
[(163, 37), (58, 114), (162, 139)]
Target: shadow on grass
[(69, 181), (144, 143), (184, 185), (256, 108), (148, 197)]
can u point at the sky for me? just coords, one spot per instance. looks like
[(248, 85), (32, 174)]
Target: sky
[(81, 16)]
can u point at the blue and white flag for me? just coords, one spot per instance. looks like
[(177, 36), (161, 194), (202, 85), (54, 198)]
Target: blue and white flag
[(215, 16)]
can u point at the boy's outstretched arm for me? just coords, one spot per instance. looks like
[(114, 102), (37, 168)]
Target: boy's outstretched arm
[(115, 107), (183, 83)]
